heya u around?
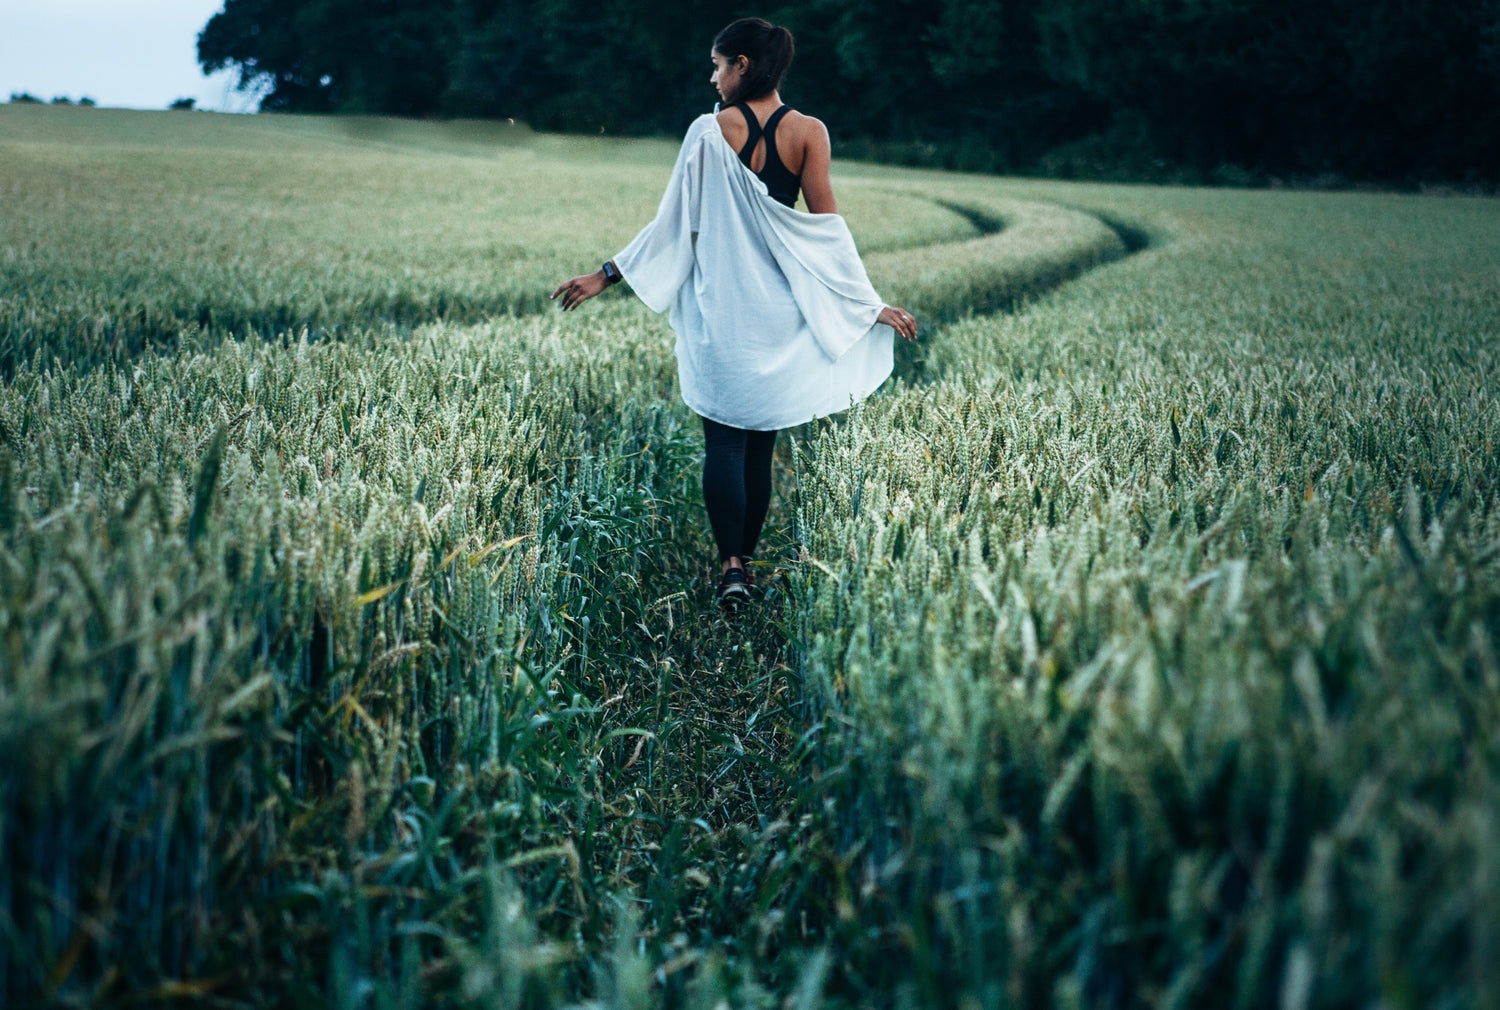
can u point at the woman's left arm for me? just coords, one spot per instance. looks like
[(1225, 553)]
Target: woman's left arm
[(817, 186), (817, 190)]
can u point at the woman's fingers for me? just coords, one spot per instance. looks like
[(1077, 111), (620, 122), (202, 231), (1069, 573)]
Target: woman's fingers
[(578, 290), (572, 293), (901, 321)]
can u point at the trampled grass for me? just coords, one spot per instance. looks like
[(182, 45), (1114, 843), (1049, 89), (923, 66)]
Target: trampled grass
[(1136, 647)]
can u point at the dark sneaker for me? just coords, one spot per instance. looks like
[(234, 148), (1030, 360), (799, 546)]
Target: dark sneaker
[(734, 589)]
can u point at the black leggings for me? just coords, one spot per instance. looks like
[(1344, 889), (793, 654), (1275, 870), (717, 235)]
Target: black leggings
[(736, 485)]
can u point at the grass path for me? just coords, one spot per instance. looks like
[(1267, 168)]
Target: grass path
[(732, 770), (311, 504), (1135, 647)]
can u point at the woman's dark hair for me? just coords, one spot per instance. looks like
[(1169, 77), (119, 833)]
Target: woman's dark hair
[(768, 47)]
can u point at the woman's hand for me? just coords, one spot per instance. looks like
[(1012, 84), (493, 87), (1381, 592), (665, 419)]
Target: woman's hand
[(580, 289), (900, 320)]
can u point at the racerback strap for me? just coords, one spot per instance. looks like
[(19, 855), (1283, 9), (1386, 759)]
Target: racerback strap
[(780, 182)]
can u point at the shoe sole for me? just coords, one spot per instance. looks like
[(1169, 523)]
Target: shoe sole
[(734, 597)]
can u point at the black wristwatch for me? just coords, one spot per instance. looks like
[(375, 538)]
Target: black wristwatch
[(611, 272)]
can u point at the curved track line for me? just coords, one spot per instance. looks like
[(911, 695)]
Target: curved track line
[(750, 714)]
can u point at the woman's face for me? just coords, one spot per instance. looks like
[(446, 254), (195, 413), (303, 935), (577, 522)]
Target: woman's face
[(727, 73)]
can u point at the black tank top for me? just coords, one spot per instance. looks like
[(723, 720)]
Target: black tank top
[(780, 182)]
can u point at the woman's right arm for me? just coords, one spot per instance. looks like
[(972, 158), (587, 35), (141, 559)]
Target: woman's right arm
[(577, 290), (659, 260)]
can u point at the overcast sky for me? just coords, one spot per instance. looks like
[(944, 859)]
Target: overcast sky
[(138, 54)]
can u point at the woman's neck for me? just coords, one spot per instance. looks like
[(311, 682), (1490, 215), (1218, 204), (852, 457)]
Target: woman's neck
[(771, 101)]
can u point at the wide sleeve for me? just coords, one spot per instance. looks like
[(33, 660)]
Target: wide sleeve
[(817, 255), (659, 260)]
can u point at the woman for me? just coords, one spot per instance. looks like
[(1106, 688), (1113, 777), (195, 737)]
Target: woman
[(776, 320)]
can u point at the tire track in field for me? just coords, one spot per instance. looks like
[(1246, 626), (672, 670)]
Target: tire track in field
[(735, 735)]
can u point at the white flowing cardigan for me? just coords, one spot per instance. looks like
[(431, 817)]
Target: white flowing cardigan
[(774, 314)]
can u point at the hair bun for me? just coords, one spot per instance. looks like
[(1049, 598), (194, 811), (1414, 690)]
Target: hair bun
[(769, 49)]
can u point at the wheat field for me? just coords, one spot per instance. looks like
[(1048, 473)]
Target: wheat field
[(1134, 647)]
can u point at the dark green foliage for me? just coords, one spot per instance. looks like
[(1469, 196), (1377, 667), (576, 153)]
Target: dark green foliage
[(1228, 91), (1384, 89)]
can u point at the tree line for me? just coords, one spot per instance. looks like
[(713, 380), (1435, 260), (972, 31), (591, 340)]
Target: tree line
[(1203, 90)]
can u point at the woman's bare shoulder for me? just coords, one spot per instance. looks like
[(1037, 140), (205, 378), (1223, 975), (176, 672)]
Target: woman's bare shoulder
[(808, 133), (807, 129), (732, 125)]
